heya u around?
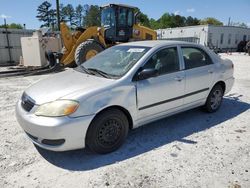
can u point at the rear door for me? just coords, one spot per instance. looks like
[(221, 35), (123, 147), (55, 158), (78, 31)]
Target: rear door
[(199, 72), (157, 95)]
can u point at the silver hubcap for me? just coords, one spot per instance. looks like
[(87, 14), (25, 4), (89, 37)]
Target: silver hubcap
[(216, 99)]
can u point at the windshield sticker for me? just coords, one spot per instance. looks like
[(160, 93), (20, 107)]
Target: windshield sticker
[(136, 50)]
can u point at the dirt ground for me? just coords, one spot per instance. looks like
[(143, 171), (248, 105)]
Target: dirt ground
[(191, 149)]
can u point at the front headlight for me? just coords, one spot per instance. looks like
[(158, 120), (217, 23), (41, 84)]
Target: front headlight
[(57, 108)]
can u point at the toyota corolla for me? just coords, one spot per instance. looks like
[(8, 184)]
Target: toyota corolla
[(124, 87)]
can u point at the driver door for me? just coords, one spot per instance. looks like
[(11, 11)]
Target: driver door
[(157, 96)]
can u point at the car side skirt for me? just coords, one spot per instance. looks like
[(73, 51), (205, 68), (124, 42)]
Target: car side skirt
[(176, 98)]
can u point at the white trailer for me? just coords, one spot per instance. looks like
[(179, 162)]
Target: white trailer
[(10, 45), (223, 37)]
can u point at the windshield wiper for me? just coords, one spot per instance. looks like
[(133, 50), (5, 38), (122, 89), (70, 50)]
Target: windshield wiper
[(85, 70), (103, 74)]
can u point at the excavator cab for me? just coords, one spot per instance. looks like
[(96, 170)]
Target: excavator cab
[(117, 21)]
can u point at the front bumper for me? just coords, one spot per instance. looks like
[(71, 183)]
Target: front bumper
[(229, 84), (71, 130)]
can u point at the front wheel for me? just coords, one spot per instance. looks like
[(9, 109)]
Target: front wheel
[(87, 50), (214, 99), (107, 132)]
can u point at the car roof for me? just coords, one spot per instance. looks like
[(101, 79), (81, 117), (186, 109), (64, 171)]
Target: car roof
[(156, 43)]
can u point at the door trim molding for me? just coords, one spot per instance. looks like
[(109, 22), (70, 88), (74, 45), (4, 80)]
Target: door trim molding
[(173, 99)]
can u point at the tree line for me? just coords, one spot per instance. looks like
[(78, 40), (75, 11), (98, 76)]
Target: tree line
[(168, 20), (79, 16), (90, 15), (12, 26)]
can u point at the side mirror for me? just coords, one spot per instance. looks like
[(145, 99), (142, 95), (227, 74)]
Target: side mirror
[(146, 73)]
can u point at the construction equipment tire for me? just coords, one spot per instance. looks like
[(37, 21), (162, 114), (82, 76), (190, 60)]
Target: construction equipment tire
[(87, 50)]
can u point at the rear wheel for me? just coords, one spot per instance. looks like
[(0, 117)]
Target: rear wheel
[(214, 99), (108, 131), (87, 50)]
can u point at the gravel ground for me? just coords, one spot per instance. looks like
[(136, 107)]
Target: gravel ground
[(191, 149)]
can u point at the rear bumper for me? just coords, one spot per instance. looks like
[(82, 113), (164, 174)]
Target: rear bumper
[(229, 84), (42, 130)]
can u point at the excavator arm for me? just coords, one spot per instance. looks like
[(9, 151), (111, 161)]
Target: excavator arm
[(72, 41), (143, 33)]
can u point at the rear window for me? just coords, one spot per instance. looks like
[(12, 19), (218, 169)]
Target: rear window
[(195, 57)]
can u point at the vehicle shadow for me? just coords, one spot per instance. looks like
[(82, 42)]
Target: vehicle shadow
[(149, 137)]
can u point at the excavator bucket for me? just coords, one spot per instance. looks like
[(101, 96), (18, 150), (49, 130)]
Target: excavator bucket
[(66, 36)]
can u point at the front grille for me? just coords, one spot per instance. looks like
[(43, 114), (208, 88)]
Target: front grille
[(27, 103)]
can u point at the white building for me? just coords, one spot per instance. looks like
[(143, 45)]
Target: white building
[(10, 45), (223, 37)]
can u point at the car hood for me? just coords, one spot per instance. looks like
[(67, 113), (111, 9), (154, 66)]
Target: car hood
[(65, 83)]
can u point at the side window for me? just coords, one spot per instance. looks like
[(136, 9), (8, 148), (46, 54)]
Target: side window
[(195, 57), (165, 61)]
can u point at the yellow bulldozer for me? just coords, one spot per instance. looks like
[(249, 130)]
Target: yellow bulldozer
[(118, 25)]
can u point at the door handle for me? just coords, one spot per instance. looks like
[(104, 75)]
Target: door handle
[(178, 78), (210, 71)]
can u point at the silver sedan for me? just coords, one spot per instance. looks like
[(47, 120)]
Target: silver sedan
[(122, 88)]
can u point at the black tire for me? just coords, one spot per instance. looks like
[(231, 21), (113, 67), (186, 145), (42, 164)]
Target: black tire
[(214, 99), (72, 65), (83, 49), (50, 58), (107, 131)]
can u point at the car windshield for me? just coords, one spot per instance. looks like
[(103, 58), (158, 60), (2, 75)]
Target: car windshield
[(115, 61)]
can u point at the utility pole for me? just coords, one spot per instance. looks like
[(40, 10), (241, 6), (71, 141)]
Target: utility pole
[(8, 40), (58, 14), (229, 21)]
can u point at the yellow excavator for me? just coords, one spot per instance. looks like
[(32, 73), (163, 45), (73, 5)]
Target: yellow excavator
[(118, 25)]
